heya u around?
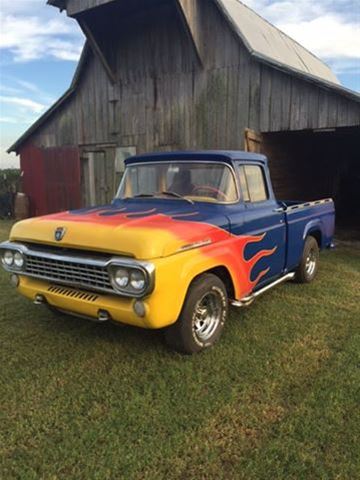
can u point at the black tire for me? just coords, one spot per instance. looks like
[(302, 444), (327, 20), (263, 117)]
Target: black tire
[(197, 328), (309, 265)]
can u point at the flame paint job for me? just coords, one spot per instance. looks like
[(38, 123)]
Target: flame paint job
[(150, 233)]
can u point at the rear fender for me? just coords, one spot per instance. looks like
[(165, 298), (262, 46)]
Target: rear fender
[(315, 227)]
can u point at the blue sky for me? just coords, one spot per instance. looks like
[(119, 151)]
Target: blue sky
[(39, 50)]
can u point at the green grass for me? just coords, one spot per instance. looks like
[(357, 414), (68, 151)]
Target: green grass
[(278, 398)]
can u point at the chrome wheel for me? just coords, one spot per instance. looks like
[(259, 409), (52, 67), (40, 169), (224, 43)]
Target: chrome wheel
[(310, 264), (208, 312)]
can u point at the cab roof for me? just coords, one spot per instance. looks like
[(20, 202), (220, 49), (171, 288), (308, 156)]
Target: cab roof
[(226, 156)]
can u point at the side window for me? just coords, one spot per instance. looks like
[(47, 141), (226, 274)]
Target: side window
[(253, 184)]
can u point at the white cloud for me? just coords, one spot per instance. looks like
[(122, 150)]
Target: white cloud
[(27, 85), (11, 120), (20, 6), (346, 66), (30, 30), (8, 89), (327, 36), (26, 103), (8, 160), (331, 30), (18, 87), (18, 119)]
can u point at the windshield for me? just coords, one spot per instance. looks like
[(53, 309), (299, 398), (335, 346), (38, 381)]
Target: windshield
[(195, 181)]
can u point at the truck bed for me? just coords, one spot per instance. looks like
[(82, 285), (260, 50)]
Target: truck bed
[(304, 218)]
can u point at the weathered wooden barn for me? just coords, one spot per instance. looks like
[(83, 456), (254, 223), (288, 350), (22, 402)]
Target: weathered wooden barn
[(159, 75)]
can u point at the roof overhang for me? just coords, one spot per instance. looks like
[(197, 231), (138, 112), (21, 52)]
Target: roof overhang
[(77, 7), (226, 156), (58, 3)]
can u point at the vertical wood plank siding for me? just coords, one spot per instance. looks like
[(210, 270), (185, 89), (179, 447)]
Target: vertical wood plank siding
[(164, 98)]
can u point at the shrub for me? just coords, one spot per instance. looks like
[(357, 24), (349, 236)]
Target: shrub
[(9, 184)]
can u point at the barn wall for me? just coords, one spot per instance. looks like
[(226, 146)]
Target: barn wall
[(289, 103), (164, 99)]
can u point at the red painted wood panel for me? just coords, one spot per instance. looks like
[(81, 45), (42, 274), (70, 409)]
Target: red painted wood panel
[(51, 178)]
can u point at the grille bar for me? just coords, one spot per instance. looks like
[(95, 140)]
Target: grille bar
[(78, 269), (88, 276)]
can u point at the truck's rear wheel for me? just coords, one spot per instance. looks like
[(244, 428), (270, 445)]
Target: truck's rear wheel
[(202, 318), (307, 270)]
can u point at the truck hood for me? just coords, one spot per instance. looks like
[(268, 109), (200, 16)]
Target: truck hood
[(132, 228)]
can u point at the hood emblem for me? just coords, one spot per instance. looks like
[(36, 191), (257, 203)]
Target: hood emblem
[(60, 233)]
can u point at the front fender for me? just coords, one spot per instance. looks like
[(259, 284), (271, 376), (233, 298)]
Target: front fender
[(174, 275)]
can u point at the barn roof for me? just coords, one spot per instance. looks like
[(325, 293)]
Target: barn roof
[(57, 3), (266, 41)]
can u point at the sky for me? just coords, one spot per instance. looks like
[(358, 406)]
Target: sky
[(39, 50)]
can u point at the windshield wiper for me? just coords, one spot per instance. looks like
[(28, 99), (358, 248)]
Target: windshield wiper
[(144, 195), (169, 194), (176, 195)]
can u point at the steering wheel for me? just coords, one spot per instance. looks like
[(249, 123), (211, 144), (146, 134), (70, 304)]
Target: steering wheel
[(212, 190)]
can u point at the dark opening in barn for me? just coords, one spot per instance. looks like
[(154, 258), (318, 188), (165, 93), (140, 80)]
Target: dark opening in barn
[(192, 74), (318, 163)]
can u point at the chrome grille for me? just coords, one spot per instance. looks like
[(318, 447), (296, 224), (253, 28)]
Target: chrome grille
[(89, 276)]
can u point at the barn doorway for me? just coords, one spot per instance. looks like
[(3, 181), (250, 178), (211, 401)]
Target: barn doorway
[(313, 164), (102, 167)]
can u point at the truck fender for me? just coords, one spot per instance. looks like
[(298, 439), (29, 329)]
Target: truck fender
[(314, 226)]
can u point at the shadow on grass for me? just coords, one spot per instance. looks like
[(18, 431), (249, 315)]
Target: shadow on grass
[(107, 332)]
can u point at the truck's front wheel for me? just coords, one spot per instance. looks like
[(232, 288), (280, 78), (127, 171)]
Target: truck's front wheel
[(202, 318)]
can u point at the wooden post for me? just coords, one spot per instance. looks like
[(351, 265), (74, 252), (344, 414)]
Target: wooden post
[(92, 186), (253, 141)]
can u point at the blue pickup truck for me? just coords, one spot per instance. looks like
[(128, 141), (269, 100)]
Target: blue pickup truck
[(188, 234)]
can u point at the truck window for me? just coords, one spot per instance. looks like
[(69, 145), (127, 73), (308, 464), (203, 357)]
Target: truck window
[(252, 182)]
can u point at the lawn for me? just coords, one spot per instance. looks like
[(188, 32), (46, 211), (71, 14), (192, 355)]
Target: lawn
[(278, 398)]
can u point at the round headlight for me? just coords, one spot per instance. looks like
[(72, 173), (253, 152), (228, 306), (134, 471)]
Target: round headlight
[(121, 277), (138, 280), (19, 260), (8, 258)]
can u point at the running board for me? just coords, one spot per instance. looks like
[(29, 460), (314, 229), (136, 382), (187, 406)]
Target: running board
[(246, 301)]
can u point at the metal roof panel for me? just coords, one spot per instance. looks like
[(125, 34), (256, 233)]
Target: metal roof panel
[(265, 40)]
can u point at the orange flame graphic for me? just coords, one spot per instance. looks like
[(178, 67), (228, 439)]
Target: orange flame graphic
[(227, 249)]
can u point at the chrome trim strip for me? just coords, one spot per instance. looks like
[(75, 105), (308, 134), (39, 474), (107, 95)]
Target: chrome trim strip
[(301, 206), (87, 260), (191, 246), (246, 301)]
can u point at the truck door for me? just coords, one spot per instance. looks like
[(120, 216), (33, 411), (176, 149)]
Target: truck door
[(262, 217)]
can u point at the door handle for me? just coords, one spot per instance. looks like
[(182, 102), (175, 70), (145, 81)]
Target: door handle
[(279, 210)]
